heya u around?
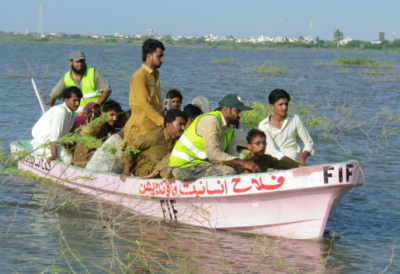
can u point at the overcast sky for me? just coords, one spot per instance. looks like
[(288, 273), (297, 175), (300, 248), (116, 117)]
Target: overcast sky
[(359, 19)]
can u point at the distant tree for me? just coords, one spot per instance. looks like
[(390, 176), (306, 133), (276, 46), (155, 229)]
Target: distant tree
[(337, 36), (144, 37), (200, 40), (382, 36), (396, 43), (168, 39)]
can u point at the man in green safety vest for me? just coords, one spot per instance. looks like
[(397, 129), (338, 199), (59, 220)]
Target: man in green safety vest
[(89, 80), (208, 146)]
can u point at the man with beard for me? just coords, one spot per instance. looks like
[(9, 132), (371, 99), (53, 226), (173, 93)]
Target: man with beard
[(208, 146), (152, 148), (93, 85), (144, 96)]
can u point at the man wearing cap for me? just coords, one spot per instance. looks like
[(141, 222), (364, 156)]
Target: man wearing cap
[(208, 146), (93, 85)]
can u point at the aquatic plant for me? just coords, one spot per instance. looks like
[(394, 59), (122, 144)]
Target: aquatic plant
[(267, 68), (361, 62), (226, 61)]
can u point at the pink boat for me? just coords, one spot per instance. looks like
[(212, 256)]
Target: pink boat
[(293, 204)]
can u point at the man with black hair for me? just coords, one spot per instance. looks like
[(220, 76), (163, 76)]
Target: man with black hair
[(89, 80), (100, 128), (154, 147), (173, 100), (208, 146), (55, 124), (192, 112), (256, 146), (145, 96)]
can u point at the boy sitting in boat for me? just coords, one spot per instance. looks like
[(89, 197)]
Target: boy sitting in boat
[(55, 124), (101, 128), (256, 145)]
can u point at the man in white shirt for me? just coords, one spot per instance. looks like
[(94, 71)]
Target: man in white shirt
[(282, 128), (55, 124)]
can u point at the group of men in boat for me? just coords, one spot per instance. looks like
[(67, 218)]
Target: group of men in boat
[(163, 141)]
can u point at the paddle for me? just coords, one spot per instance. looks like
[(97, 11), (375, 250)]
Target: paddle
[(43, 106)]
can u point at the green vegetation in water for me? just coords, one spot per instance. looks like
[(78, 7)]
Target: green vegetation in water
[(260, 111), (322, 63), (226, 61), (361, 62), (267, 68)]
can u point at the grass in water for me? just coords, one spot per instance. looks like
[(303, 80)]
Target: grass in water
[(361, 62), (267, 68), (226, 61)]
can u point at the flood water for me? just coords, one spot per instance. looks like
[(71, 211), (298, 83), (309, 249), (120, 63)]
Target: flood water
[(46, 229)]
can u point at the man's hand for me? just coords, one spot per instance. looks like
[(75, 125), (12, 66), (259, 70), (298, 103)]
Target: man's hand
[(248, 165), (150, 175), (302, 162), (123, 176), (127, 172), (51, 158), (303, 157)]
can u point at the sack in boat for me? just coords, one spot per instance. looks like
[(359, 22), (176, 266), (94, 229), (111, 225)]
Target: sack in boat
[(109, 157)]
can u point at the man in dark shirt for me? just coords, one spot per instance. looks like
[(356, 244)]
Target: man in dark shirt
[(152, 147), (101, 128)]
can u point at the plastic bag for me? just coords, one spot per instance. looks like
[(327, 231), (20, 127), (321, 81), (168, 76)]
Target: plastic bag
[(109, 157)]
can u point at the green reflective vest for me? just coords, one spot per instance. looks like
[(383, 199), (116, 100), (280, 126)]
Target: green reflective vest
[(189, 150), (89, 89)]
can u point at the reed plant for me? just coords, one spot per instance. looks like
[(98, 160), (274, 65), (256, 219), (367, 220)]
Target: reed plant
[(267, 68), (361, 62), (226, 61)]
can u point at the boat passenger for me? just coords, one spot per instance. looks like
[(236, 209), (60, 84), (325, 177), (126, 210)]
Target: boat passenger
[(173, 100), (89, 113), (101, 128), (208, 146), (55, 124), (93, 85), (256, 145), (192, 112), (144, 96), (151, 148), (281, 129), (110, 157)]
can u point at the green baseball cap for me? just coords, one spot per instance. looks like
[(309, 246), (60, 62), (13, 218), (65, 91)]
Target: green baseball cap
[(233, 101)]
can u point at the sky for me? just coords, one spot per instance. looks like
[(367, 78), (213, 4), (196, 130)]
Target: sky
[(359, 19)]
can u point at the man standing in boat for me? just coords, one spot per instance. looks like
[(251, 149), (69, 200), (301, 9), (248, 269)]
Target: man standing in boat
[(93, 85), (208, 146), (55, 124), (145, 96)]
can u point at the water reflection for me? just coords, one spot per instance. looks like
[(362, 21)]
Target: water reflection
[(79, 232)]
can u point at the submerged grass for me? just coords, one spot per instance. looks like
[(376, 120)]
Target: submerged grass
[(45, 72), (267, 68), (226, 61), (361, 62)]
